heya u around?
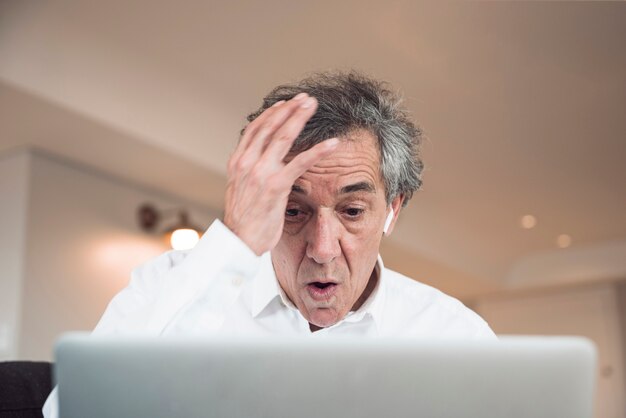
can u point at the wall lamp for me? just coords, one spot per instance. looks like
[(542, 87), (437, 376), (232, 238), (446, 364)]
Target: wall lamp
[(181, 235)]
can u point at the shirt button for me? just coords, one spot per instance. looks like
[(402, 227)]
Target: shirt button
[(237, 281)]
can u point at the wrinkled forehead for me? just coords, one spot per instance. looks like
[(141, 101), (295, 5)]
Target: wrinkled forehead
[(355, 134), (353, 166), (356, 141)]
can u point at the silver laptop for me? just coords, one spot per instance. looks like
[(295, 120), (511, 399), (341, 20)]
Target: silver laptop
[(311, 377)]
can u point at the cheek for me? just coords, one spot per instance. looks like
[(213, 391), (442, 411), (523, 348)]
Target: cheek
[(287, 255), (360, 252), (362, 240)]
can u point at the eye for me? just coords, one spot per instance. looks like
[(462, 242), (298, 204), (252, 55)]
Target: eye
[(353, 212), (294, 214)]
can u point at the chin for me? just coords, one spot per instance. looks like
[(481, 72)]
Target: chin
[(324, 318)]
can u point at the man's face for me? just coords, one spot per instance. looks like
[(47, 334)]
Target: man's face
[(333, 227)]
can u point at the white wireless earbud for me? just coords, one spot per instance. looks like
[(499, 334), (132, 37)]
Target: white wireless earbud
[(388, 221)]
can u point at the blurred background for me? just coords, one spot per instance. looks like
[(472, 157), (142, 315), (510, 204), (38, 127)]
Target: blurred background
[(107, 106)]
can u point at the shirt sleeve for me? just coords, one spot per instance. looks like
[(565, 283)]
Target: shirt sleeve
[(158, 290)]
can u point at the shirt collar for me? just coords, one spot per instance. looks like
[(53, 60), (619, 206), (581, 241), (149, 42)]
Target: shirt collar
[(266, 289), (374, 305)]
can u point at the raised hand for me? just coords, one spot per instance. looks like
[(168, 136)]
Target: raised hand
[(259, 180)]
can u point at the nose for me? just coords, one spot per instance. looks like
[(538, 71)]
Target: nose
[(323, 238)]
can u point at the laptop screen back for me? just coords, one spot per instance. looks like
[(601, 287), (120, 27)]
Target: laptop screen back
[(157, 377)]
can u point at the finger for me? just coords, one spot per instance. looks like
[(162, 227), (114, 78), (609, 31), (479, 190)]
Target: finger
[(246, 136), (280, 106), (266, 133), (250, 128), (258, 135), (307, 159), (284, 137)]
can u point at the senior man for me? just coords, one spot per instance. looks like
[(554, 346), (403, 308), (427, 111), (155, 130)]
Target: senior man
[(320, 174)]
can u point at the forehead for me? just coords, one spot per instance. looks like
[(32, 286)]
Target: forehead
[(356, 159)]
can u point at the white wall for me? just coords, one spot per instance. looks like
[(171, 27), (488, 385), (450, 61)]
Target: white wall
[(81, 242), (14, 170), (592, 311), (621, 303)]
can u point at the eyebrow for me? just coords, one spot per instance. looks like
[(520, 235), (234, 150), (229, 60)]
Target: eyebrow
[(362, 186)]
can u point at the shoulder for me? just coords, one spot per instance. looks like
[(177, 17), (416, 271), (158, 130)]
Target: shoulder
[(425, 310), (415, 297)]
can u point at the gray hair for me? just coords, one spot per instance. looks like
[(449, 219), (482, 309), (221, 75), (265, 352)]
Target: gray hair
[(351, 101)]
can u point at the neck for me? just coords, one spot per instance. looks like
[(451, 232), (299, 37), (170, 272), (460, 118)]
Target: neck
[(367, 292)]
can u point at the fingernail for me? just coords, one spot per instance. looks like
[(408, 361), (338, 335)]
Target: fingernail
[(300, 96), (332, 142), (278, 103), (308, 103)]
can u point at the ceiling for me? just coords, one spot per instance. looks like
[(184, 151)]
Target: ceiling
[(522, 104)]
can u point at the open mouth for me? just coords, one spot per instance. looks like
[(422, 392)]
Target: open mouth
[(321, 290), (321, 285)]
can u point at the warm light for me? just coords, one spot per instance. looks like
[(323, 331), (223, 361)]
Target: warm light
[(563, 241), (184, 239), (528, 221)]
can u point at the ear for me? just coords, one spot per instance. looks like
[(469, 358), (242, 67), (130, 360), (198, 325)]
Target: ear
[(396, 206)]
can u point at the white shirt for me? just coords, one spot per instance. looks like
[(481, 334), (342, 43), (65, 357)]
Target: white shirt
[(221, 287)]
